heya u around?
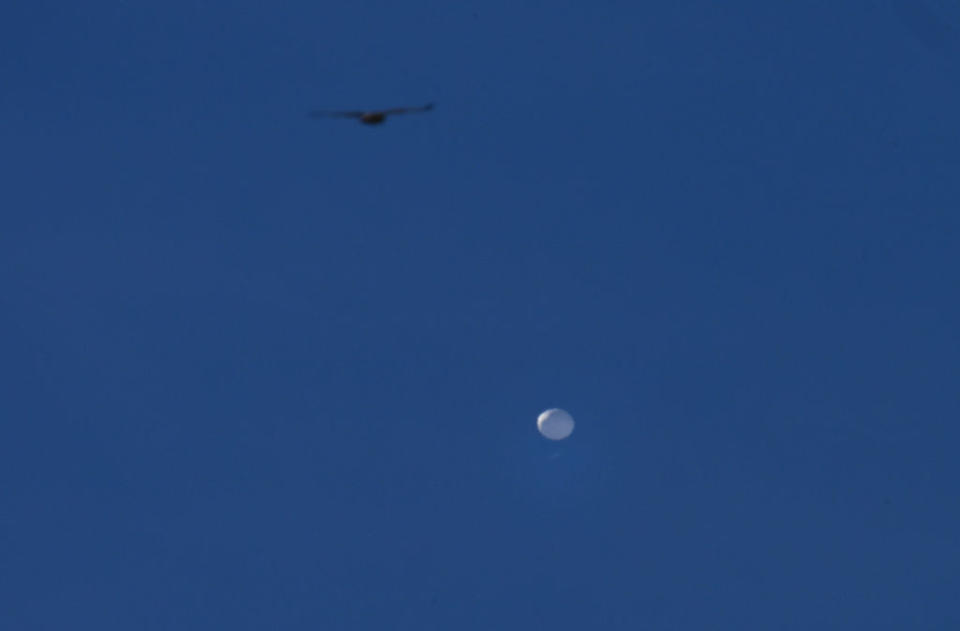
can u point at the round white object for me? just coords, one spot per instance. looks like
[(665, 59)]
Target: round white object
[(555, 424)]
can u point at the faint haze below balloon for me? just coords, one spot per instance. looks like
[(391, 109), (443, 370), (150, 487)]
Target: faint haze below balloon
[(938, 29)]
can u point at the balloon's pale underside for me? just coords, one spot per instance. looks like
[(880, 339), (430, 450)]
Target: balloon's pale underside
[(555, 424)]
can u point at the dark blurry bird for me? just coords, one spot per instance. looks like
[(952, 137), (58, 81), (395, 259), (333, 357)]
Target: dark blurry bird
[(370, 117)]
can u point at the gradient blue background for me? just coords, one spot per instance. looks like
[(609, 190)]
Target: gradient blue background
[(265, 372)]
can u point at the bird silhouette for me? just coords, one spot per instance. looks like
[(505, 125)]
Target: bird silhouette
[(370, 117)]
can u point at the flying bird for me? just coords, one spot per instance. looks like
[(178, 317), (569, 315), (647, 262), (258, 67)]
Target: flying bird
[(370, 117)]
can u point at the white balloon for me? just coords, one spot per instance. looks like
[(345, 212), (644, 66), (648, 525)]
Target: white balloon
[(555, 424)]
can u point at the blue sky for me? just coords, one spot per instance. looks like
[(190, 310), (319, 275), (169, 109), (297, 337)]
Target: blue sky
[(262, 371)]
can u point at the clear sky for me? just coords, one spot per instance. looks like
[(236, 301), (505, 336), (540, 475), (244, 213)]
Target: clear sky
[(259, 371)]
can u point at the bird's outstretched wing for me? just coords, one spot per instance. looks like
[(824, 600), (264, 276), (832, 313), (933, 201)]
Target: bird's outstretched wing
[(369, 117), (335, 114), (408, 110)]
